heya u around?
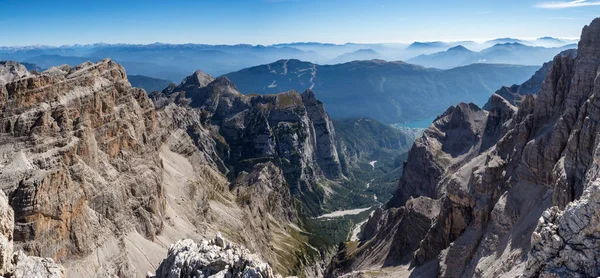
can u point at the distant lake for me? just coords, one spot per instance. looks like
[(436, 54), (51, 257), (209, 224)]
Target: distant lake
[(425, 123)]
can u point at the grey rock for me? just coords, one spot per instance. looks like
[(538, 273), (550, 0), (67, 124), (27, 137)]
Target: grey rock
[(291, 130), (187, 258), (566, 243), (518, 186), (10, 71), (6, 234), (79, 159), (35, 267), (18, 264)]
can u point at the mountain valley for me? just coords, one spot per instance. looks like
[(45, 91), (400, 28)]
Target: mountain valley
[(505, 191), (300, 139), (390, 92)]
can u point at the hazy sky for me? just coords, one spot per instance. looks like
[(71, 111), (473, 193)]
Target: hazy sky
[(273, 21)]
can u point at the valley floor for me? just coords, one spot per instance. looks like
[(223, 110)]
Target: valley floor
[(341, 213)]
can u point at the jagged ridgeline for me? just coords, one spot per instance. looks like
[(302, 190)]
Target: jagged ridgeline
[(103, 177), (505, 191)]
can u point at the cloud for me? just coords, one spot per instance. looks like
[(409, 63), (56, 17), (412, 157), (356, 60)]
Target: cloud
[(567, 4)]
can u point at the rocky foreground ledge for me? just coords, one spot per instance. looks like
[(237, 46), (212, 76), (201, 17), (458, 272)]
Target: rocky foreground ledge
[(216, 258)]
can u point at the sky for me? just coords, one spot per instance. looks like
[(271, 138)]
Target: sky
[(66, 22)]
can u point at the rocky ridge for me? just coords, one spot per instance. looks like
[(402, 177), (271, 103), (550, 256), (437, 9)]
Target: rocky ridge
[(291, 130), (495, 173), (103, 178)]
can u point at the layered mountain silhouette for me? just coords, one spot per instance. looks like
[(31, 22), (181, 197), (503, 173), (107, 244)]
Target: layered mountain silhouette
[(510, 52), (175, 61), (390, 92)]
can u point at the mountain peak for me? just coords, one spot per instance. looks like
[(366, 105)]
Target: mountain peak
[(589, 45), (222, 81), (198, 78), (10, 71), (366, 51), (436, 44), (459, 48)]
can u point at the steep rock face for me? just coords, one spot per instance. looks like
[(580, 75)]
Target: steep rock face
[(18, 264), (434, 153), (526, 161), (79, 159), (255, 209), (265, 182), (289, 129), (102, 181), (398, 234), (6, 234), (565, 243)]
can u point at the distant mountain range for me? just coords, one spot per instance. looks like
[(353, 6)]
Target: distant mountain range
[(358, 55), (390, 92), (175, 61), (504, 53)]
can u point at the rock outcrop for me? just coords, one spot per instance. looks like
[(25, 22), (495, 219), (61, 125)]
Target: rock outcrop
[(102, 177), (566, 243), (214, 258), (18, 264), (79, 159), (496, 172), (10, 71), (291, 130)]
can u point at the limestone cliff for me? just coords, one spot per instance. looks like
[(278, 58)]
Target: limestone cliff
[(17, 264), (79, 159), (495, 173), (103, 181), (291, 130)]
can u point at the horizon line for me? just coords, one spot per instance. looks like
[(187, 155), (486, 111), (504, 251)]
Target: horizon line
[(478, 41)]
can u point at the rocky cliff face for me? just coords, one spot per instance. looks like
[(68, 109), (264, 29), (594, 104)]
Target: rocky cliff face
[(79, 159), (103, 178), (17, 264), (496, 172), (291, 130)]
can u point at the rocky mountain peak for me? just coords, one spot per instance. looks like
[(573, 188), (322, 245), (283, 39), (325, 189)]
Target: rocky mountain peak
[(198, 78), (10, 71), (517, 189), (309, 96), (459, 48), (589, 44), (224, 84)]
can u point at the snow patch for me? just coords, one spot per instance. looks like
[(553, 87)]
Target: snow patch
[(313, 74)]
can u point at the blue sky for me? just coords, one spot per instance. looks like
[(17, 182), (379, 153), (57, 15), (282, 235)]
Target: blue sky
[(272, 21)]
